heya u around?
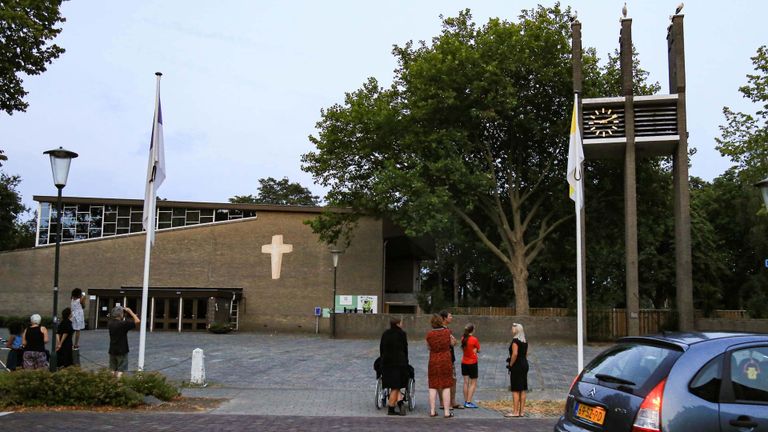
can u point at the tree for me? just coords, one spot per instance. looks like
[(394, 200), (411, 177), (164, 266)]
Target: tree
[(279, 192), (26, 28), (14, 234), (745, 136), (473, 129)]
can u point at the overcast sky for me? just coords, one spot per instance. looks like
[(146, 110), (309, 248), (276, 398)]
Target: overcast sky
[(244, 82)]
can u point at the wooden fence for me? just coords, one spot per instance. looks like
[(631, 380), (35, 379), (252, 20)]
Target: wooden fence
[(507, 311)]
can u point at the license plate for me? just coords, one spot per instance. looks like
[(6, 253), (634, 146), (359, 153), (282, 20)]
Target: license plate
[(592, 414)]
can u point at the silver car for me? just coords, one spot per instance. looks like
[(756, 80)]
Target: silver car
[(673, 382)]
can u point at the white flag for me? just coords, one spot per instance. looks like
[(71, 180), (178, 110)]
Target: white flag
[(155, 167), (575, 159)]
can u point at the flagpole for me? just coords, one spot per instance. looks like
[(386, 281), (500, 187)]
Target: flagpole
[(148, 243), (578, 204)]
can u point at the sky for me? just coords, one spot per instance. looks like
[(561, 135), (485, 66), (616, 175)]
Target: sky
[(244, 82)]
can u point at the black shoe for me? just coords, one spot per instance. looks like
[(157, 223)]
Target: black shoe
[(401, 408), (391, 410)]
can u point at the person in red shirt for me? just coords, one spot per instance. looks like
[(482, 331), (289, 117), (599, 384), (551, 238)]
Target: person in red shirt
[(471, 347)]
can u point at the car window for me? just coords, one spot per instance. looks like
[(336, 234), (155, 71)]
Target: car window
[(706, 383), (631, 362), (749, 374)]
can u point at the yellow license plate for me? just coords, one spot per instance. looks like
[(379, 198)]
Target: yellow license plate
[(593, 414)]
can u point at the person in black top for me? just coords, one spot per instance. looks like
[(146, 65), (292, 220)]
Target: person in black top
[(118, 338), (394, 363), (64, 340), (34, 339), (518, 370)]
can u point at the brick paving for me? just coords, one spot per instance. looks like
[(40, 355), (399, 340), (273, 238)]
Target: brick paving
[(308, 375), (86, 422)]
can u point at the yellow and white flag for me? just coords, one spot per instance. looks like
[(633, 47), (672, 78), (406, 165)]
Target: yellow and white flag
[(575, 159)]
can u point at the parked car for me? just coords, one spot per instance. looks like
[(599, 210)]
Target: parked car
[(673, 382)]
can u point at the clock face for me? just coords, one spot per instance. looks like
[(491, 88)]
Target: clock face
[(603, 122)]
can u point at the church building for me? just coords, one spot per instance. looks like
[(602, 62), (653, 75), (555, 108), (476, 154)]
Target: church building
[(255, 267)]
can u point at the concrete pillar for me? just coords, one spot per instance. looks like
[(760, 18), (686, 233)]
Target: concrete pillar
[(682, 199), (630, 182), (576, 62), (197, 375)]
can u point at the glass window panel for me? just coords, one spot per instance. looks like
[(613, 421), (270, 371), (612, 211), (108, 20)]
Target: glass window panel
[(44, 222), (235, 214), (222, 215), (206, 212), (164, 225), (193, 216), (94, 232), (123, 211), (206, 219), (68, 234), (95, 222), (249, 213), (110, 217), (68, 217), (188, 310), (81, 236), (165, 216), (179, 212), (110, 228), (202, 307), (43, 238), (178, 221), (84, 208), (136, 216), (123, 222), (137, 227), (748, 374), (97, 211), (122, 230), (82, 228), (83, 217), (45, 210), (110, 208)]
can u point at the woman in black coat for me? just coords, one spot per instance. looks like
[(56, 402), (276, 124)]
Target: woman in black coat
[(394, 363)]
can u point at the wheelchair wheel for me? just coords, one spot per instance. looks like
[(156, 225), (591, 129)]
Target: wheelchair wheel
[(380, 398), (411, 391)]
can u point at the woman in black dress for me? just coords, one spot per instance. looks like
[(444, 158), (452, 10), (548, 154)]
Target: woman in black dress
[(394, 364), (518, 370), (64, 340)]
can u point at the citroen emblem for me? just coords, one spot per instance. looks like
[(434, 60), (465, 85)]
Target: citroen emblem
[(592, 392)]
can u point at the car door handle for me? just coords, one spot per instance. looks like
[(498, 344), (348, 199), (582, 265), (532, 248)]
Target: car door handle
[(743, 422)]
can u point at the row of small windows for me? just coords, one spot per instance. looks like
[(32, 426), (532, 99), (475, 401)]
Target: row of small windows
[(85, 221)]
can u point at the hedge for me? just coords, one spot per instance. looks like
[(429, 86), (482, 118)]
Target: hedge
[(76, 387), (5, 321)]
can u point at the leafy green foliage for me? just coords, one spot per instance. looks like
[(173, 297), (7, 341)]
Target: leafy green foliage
[(745, 136), (6, 321), (279, 192), (153, 384), (68, 387), (26, 29), (14, 233)]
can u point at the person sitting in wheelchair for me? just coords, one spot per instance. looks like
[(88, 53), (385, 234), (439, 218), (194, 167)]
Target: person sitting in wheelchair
[(395, 370)]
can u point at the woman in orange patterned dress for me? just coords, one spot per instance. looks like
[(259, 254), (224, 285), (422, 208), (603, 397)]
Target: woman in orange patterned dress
[(440, 371)]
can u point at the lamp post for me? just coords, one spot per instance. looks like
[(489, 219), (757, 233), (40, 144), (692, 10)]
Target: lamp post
[(60, 161), (335, 253), (763, 185)]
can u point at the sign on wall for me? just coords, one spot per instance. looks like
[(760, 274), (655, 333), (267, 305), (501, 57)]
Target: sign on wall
[(358, 304)]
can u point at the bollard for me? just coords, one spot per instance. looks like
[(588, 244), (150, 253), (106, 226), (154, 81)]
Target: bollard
[(198, 368)]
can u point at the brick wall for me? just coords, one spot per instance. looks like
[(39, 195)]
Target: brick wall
[(222, 255), (487, 328)]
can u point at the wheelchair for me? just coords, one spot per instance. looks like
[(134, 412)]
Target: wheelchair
[(382, 394)]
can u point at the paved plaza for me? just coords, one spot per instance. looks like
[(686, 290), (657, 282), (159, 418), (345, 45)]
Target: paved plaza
[(311, 376)]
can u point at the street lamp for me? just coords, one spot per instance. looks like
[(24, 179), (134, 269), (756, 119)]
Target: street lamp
[(60, 161), (335, 253), (763, 185)]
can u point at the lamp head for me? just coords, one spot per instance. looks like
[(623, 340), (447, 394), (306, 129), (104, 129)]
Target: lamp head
[(335, 253), (60, 160)]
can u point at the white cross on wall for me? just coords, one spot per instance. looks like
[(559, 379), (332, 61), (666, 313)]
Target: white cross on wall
[(276, 249)]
